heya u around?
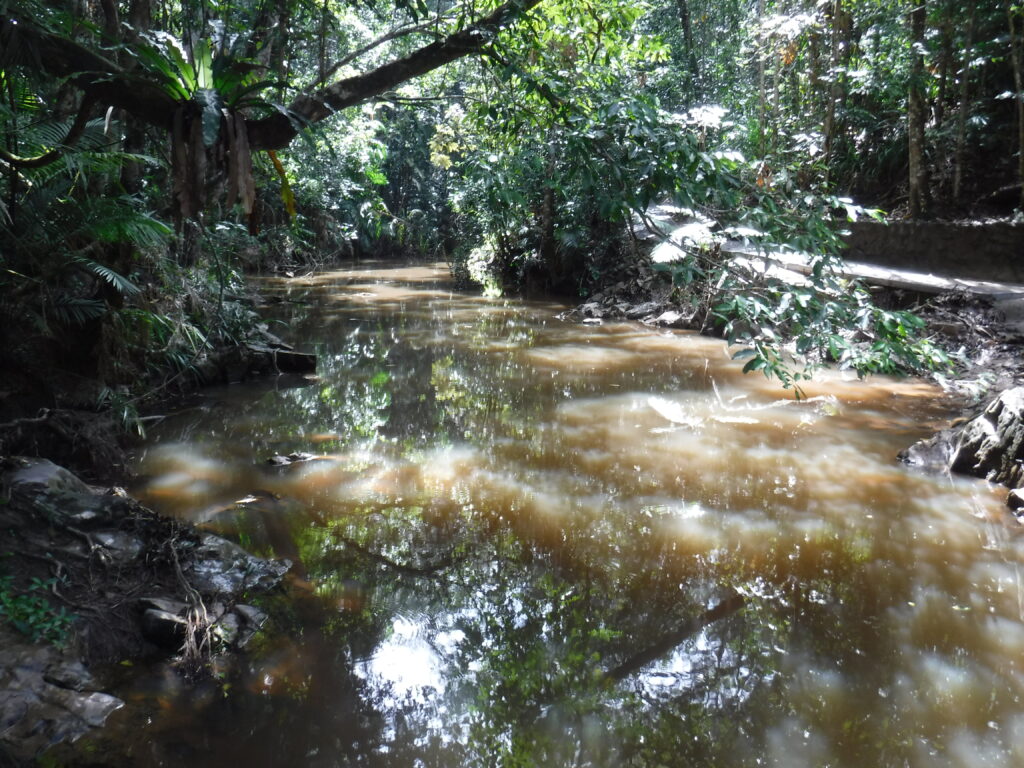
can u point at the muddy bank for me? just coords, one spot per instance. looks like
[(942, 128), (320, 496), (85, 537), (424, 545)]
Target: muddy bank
[(91, 578)]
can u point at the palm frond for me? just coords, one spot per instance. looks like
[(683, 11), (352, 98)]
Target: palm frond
[(89, 164), (118, 281), (44, 135), (72, 310), (115, 220), (18, 96)]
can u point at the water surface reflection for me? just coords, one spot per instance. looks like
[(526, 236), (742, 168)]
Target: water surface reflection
[(527, 542)]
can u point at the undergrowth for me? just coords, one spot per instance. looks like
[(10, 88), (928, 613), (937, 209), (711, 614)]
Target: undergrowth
[(32, 614)]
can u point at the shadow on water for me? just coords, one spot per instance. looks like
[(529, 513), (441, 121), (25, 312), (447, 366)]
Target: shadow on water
[(528, 542)]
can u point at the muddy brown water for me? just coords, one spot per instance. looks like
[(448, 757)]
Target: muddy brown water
[(525, 541)]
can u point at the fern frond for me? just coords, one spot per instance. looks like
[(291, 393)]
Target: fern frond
[(89, 164), (18, 96)]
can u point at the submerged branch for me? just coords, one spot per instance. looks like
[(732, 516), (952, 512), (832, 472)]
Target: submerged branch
[(410, 570), (726, 608)]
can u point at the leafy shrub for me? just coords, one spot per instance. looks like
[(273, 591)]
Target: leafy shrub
[(32, 614)]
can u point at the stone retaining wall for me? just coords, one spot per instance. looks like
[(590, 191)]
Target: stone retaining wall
[(968, 250)]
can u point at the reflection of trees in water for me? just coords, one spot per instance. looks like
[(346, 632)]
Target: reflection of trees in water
[(295, 701), (408, 378), (587, 638), (566, 653), (555, 635), (549, 626)]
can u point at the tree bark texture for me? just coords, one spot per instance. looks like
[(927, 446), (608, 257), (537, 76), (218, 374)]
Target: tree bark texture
[(918, 197), (964, 109), (687, 26), (1015, 18)]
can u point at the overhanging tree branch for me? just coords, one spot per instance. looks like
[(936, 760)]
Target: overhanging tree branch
[(98, 77), (276, 131), (112, 85), (72, 136), (386, 38)]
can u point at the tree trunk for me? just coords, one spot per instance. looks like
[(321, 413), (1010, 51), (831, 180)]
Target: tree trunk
[(111, 21), (762, 98), (918, 198), (140, 19), (691, 52), (835, 88), (964, 109), (547, 248), (945, 61), (1015, 17), (321, 54)]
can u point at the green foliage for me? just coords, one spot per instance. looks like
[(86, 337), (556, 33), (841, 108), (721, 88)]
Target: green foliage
[(32, 614), (339, 188), (116, 280), (214, 74), (60, 229), (547, 180), (786, 331), (163, 342), (533, 170)]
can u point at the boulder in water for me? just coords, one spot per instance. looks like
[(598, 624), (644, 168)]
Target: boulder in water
[(992, 445), (646, 309), (932, 454), (671, 319), (1015, 500), (221, 567), (46, 697)]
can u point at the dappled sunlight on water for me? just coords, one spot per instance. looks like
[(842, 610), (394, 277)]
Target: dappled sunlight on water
[(525, 541)]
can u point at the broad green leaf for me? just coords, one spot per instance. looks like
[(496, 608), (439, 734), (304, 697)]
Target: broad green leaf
[(210, 104), (203, 56)]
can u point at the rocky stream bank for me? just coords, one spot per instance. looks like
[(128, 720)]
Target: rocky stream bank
[(92, 582), (92, 579)]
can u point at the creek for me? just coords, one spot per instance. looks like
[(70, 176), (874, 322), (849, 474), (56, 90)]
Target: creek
[(524, 541)]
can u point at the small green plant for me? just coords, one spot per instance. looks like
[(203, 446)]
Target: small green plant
[(32, 614)]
